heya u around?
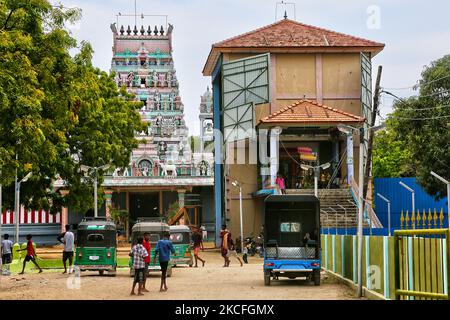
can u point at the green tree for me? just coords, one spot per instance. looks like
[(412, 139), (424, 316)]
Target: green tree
[(390, 157), (420, 131), (57, 111)]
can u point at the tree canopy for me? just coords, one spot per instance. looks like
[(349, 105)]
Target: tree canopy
[(57, 111), (417, 139)]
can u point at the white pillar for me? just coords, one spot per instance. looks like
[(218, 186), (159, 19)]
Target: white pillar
[(274, 154)]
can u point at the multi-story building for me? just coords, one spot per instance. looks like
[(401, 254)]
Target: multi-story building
[(280, 93)]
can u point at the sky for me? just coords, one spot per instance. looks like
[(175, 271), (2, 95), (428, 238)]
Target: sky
[(415, 32)]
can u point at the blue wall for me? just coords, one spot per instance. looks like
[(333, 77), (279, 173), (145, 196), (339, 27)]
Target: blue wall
[(401, 199)]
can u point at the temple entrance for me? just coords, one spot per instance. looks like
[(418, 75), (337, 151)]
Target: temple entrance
[(144, 205)]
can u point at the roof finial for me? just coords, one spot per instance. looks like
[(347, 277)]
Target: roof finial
[(285, 14)]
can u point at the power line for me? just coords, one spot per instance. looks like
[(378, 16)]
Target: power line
[(418, 84), (416, 119), (430, 108)]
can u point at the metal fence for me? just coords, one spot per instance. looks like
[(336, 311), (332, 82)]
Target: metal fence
[(421, 264)]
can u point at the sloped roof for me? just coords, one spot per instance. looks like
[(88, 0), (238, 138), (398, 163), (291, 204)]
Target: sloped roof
[(310, 113), (294, 35)]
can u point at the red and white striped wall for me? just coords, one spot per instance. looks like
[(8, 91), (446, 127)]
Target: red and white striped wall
[(31, 217)]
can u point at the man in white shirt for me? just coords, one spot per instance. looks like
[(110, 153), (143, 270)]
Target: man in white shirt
[(67, 238), (6, 254)]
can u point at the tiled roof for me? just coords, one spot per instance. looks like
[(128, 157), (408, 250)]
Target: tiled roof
[(290, 35), (310, 112)]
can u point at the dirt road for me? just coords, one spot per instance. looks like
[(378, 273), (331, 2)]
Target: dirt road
[(211, 282)]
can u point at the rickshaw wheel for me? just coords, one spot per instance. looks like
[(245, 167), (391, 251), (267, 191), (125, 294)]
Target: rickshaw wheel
[(316, 276), (266, 278)]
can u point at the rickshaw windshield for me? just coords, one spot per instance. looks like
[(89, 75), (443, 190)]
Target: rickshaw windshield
[(180, 237), (98, 238), (291, 227)]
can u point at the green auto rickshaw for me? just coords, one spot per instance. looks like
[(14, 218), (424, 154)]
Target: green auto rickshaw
[(156, 227), (181, 236), (96, 248)]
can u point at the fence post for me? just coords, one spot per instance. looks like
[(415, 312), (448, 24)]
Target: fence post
[(386, 266), (343, 255), (448, 261), (354, 259), (368, 279), (333, 245), (397, 266)]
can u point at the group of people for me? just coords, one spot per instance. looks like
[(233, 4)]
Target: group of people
[(141, 252), (7, 254), (141, 261)]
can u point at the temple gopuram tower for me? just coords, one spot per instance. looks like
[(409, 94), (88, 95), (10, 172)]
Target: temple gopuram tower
[(163, 172)]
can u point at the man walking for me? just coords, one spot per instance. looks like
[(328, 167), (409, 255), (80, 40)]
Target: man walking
[(6, 254), (138, 253), (67, 238), (224, 235), (163, 248), (31, 254), (146, 244), (197, 239)]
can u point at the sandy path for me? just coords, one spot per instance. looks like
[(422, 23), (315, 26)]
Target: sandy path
[(211, 282)]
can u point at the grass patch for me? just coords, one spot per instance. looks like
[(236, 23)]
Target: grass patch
[(16, 265)]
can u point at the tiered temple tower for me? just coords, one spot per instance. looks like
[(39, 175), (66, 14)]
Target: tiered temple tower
[(163, 170), (142, 60)]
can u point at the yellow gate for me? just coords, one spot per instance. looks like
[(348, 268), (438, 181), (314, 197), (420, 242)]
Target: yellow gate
[(422, 268)]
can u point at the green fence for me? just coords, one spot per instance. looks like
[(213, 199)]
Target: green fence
[(339, 254)]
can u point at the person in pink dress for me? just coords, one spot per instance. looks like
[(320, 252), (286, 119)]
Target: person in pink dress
[(280, 183)]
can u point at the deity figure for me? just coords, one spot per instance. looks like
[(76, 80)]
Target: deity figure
[(157, 100), (174, 79), (150, 104), (161, 79), (169, 79), (155, 79)]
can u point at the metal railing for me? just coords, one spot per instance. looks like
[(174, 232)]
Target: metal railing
[(422, 268), (417, 221)]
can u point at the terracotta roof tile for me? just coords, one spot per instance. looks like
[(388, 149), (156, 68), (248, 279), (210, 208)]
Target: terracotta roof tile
[(291, 36), (289, 33), (310, 112)]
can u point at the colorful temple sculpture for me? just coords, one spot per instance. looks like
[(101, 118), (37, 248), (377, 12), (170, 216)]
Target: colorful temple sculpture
[(164, 174)]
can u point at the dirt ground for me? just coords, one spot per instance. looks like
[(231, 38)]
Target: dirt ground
[(211, 282)]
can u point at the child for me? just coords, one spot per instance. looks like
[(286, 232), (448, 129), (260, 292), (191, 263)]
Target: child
[(139, 253), (31, 254), (197, 239), (163, 248), (232, 253), (6, 254)]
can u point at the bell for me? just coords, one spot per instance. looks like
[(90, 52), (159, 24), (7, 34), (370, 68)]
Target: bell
[(122, 30), (161, 30), (129, 30), (142, 30)]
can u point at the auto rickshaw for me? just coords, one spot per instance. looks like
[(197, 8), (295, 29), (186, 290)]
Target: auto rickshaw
[(181, 236), (96, 245), (156, 227), (291, 237)]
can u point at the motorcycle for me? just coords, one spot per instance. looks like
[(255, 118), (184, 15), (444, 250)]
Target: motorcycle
[(254, 246)]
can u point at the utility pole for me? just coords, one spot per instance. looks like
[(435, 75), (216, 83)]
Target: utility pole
[(376, 103)]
